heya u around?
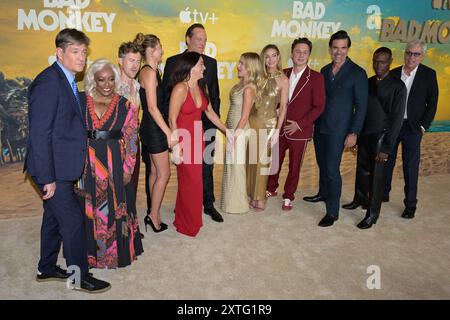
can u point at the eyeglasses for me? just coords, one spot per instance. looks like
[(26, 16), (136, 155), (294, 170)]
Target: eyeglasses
[(415, 54)]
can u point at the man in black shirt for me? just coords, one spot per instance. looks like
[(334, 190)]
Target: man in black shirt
[(384, 117)]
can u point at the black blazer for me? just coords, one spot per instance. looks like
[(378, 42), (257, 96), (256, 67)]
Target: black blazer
[(211, 80), (346, 100), (57, 136), (423, 97), (385, 110)]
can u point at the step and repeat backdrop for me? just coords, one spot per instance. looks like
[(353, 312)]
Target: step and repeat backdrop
[(28, 29)]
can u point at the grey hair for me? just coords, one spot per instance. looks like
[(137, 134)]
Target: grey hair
[(417, 42), (96, 66)]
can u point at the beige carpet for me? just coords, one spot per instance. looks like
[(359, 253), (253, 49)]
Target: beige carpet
[(270, 255)]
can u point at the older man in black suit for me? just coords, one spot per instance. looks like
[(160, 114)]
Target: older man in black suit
[(421, 104), (196, 41)]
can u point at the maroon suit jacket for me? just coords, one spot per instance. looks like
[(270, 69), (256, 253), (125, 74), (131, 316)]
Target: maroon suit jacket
[(306, 104)]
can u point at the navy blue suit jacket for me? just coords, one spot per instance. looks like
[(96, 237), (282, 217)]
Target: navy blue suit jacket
[(57, 138), (346, 100)]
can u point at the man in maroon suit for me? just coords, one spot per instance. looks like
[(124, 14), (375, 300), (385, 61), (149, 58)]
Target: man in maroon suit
[(306, 103)]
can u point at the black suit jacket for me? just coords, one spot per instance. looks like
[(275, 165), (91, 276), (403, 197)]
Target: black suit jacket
[(211, 80), (423, 97), (57, 134), (385, 109)]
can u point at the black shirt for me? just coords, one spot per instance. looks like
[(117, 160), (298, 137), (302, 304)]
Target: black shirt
[(385, 109)]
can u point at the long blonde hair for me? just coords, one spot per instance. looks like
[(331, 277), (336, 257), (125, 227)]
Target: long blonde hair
[(252, 64), (263, 52)]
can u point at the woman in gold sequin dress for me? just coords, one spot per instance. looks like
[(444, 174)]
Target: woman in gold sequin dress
[(242, 97), (266, 121)]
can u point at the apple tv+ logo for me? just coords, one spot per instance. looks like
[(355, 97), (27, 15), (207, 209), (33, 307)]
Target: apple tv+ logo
[(186, 16)]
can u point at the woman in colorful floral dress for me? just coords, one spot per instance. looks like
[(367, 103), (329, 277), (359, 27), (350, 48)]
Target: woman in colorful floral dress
[(112, 227)]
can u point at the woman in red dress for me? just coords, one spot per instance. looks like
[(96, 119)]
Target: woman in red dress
[(189, 99)]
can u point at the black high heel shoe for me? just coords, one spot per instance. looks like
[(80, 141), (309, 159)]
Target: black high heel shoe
[(162, 224), (149, 221)]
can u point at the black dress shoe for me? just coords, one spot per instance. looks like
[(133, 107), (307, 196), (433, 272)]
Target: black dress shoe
[(353, 205), (58, 275), (368, 221), (328, 221), (316, 198), (408, 213), (90, 284), (215, 215)]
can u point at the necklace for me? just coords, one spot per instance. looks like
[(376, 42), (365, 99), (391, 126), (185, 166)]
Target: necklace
[(99, 122)]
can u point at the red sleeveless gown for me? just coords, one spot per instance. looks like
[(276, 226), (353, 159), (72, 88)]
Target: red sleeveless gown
[(189, 203)]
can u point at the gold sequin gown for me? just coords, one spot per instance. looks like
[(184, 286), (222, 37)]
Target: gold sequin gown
[(234, 196), (263, 119)]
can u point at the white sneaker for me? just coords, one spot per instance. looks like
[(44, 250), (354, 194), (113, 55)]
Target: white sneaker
[(287, 204)]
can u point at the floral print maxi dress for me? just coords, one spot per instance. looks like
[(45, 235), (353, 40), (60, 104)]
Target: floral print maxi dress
[(112, 229)]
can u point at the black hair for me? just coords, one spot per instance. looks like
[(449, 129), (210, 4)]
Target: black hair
[(384, 50), (190, 30), (301, 40), (341, 34), (182, 71)]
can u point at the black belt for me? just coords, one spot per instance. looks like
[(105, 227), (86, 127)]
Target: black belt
[(105, 135)]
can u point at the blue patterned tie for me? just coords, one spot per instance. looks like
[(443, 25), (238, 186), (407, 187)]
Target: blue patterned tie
[(75, 92)]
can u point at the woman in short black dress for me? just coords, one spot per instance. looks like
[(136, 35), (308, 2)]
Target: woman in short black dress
[(154, 132)]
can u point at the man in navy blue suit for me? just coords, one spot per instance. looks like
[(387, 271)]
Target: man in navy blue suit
[(55, 159), (337, 128)]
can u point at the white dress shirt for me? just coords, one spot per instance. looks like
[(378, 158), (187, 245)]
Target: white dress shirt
[(408, 80), (293, 80)]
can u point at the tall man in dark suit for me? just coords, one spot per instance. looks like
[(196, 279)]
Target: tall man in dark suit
[(384, 117), (339, 125), (421, 105), (196, 41), (306, 103), (55, 159)]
